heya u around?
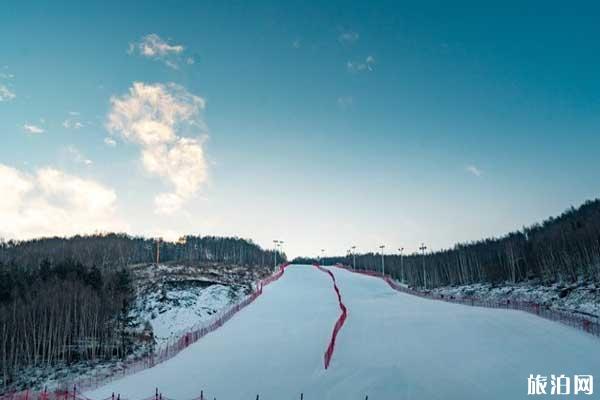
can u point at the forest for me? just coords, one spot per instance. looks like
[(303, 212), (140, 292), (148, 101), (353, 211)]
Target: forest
[(114, 250), (560, 249), (66, 300)]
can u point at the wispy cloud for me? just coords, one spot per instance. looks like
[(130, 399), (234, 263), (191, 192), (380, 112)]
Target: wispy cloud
[(6, 94), (297, 43), (73, 121), (154, 116), (348, 37), (76, 155), (474, 170), (30, 128), (360, 66), (70, 124), (154, 47), (110, 142)]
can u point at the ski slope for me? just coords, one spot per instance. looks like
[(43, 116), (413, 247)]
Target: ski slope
[(392, 346)]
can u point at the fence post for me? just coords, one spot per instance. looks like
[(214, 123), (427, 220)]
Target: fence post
[(257, 397), (301, 396), (156, 394), (202, 395)]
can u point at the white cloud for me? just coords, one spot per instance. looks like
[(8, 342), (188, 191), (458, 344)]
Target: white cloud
[(6, 94), (110, 142), (360, 66), (154, 116), (77, 156), (472, 169), (297, 43), (51, 202), (348, 37), (154, 47), (30, 128), (71, 123)]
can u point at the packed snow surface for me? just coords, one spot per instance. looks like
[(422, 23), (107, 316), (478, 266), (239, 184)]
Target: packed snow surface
[(393, 346)]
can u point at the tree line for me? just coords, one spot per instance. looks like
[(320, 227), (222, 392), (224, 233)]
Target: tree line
[(115, 250), (65, 300), (560, 249)]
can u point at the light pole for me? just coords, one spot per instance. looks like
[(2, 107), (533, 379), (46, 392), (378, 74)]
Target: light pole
[(382, 262), (423, 248), (354, 257), (401, 249), (281, 248), (275, 254)]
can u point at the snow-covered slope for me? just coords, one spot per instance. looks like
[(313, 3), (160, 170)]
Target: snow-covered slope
[(581, 298), (174, 299), (170, 300), (174, 311), (274, 347), (393, 346), (398, 346)]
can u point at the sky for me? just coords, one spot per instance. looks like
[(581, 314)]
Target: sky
[(322, 125)]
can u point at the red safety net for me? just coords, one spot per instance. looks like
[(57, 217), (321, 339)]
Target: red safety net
[(340, 321), (580, 322), (166, 352)]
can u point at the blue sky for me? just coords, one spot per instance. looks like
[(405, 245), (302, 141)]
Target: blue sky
[(324, 125)]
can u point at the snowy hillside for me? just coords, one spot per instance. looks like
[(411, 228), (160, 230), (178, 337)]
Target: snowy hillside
[(578, 298), (175, 298), (172, 312), (169, 300), (393, 346)]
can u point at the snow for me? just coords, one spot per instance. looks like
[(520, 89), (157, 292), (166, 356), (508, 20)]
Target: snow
[(175, 311), (173, 299), (176, 298), (579, 298), (393, 346)]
